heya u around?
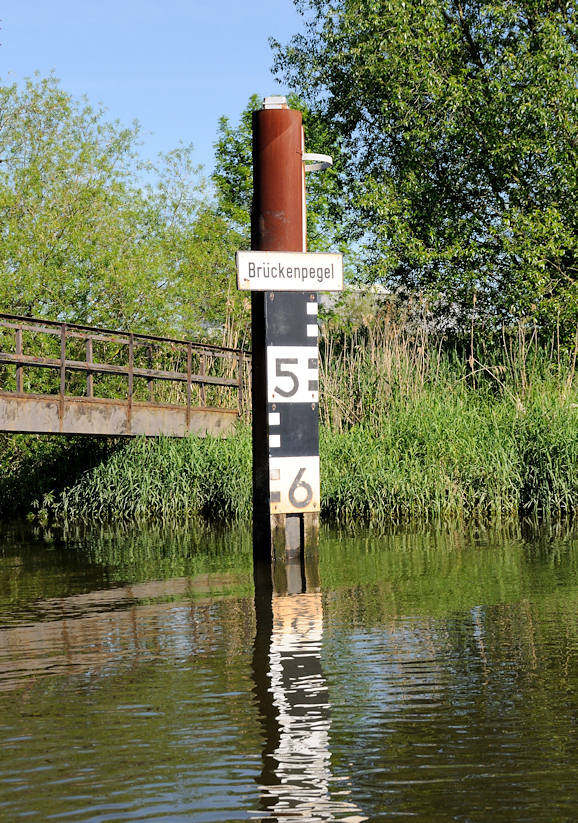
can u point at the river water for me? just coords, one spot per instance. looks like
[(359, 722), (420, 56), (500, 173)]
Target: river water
[(423, 677)]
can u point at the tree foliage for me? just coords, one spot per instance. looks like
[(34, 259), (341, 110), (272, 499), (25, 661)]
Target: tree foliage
[(458, 118), (84, 238)]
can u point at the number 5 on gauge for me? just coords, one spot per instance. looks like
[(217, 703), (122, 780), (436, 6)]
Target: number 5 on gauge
[(292, 374), (294, 484)]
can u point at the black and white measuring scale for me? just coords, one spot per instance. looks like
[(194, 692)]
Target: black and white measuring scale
[(291, 281)]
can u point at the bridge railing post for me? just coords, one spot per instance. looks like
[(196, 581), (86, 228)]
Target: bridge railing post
[(130, 367), (189, 373), (19, 370), (150, 382), (89, 374), (202, 372), (62, 370), (130, 379), (240, 389)]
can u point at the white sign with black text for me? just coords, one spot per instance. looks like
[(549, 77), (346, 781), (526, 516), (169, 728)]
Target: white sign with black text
[(289, 271)]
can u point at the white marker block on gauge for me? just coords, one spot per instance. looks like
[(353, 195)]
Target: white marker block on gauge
[(294, 484), (292, 374)]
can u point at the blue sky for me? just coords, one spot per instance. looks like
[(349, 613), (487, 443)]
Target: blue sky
[(175, 66)]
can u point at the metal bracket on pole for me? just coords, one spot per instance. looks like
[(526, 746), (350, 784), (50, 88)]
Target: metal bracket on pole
[(317, 162)]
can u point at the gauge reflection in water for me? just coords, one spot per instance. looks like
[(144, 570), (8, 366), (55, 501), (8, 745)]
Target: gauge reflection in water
[(296, 780)]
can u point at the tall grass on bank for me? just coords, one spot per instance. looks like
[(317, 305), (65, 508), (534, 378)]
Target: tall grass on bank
[(33, 465), (418, 430), (397, 359), (161, 478), (454, 457), (411, 430), (449, 456)]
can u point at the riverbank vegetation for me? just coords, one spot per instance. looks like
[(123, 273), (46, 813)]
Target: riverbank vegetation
[(411, 430), (452, 195)]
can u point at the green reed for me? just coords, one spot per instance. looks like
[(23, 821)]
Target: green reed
[(163, 478), (447, 456), (412, 430), (457, 456)]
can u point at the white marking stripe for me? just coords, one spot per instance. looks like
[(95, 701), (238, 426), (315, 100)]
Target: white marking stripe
[(312, 308), (312, 330), (274, 418), (274, 441)]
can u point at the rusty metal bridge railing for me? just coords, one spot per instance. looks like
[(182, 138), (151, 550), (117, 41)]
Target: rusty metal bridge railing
[(66, 378)]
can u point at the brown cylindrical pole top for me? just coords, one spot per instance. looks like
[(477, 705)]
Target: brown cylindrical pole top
[(277, 220)]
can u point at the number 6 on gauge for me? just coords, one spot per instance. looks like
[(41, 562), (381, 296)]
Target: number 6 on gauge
[(300, 492), (294, 484)]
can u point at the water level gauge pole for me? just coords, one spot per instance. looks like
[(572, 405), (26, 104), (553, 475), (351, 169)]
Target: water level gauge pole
[(285, 346)]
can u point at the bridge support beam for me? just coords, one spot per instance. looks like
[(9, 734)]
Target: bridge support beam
[(46, 414)]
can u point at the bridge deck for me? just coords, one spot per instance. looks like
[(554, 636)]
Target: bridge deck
[(53, 389)]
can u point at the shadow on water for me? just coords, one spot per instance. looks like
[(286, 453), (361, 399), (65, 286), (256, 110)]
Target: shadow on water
[(296, 780)]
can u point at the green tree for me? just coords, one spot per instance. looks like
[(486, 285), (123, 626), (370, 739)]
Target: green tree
[(233, 175), (85, 239), (458, 118)]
